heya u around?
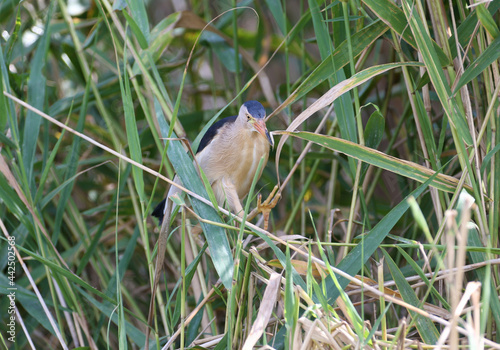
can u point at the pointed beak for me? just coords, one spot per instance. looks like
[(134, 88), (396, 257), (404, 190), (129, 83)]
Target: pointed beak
[(260, 126)]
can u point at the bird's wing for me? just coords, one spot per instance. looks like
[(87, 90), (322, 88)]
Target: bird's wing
[(211, 133), (159, 211), (213, 130)]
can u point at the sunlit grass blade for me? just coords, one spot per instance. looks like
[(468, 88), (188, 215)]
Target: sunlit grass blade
[(485, 59), (331, 95), (162, 36), (436, 74), (278, 14), (343, 105), (420, 272), (132, 133), (357, 257), (143, 42), (490, 293), (487, 21), (467, 28), (394, 17), (374, 157), (7, 106), (138, 12), (338, 59), (352, 314), (425, 327), (290, 302)]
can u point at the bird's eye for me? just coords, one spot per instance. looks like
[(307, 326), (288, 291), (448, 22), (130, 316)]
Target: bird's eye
[(248, 117)]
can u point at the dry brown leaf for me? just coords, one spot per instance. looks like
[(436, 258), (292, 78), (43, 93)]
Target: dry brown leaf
[(265, 311)]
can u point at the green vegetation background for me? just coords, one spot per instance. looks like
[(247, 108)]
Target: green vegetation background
[(394, 101)]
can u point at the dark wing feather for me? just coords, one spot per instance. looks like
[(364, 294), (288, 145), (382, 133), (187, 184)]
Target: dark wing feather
[(213, 130), (158, 211)]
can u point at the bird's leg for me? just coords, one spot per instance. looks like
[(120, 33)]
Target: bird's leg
[(266, 206), (225, 191)]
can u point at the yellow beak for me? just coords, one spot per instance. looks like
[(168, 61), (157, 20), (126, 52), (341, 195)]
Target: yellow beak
[(260, 126)]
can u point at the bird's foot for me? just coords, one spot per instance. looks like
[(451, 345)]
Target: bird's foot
[(266, 206)]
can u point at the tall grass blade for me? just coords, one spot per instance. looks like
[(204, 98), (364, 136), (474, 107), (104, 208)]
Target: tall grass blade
[(485, 59), (395, 18), (328, 67), (216, 237), (436, 74), (132, 133), (493, 300), (278, 14), (425, 327), (138, 13), (372, 156), (358, 256), (36, 98)]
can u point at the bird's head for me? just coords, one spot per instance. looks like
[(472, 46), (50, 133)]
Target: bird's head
[(253, 114)]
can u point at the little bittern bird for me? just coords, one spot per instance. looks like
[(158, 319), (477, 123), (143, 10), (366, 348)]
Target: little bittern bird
[(229, 154)]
